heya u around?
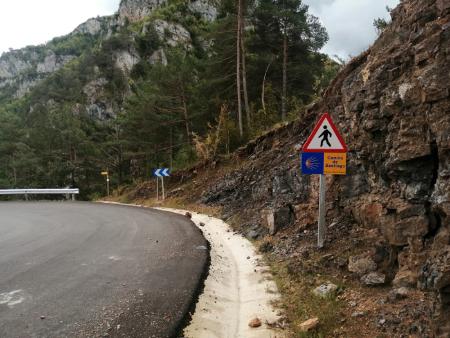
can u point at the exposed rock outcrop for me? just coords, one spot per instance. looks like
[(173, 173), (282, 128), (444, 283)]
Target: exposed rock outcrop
[(172, 34), (126, 59), (205, 8), (53, 62), (21, 70), (135, 10), (93, 26), (392, 103)]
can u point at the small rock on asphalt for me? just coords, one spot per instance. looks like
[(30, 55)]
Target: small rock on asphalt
[(188, 215)]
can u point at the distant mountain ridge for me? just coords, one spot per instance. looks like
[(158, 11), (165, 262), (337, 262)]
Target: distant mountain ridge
[(22, 69)]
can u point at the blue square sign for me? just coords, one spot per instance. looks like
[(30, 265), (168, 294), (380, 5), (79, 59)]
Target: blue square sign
[(312, 163)]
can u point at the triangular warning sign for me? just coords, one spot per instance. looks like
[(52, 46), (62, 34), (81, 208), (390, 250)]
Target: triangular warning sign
[(325, 138)]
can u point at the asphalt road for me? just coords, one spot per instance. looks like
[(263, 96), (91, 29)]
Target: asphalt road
[(93, 270)]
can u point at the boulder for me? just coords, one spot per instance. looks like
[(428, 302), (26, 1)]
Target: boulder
[(373, 279), (361, 265), (252, 234), (309, 325), (278, 219), (405, 278), (398, 293), (325, 290)]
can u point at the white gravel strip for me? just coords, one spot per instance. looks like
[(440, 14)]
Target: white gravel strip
[(238, 289)]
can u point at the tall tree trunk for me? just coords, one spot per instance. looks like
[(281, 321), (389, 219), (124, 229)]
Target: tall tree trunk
[(284, 93), (238, 68), (244, 68), (171, 148), (14, 171), (263, 88), (185, 113)]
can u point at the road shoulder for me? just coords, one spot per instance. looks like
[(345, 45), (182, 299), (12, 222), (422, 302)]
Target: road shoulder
[(239, 287)]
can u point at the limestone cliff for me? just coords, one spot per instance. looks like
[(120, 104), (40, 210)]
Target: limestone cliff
[(135, 10), (21, 71)]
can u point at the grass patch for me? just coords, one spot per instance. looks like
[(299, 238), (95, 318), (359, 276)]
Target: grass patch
[(300, 304)]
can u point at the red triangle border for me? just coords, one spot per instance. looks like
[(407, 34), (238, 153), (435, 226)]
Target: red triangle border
[(316, 128)]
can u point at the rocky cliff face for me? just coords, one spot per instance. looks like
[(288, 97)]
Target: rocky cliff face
[(135, 10), (392, 105), (22, 70)]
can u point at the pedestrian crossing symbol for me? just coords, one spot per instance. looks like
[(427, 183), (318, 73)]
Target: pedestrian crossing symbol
[(325, 138), (324, 152)]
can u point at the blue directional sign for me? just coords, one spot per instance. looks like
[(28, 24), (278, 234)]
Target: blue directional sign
[(312, 163), (161, 172)]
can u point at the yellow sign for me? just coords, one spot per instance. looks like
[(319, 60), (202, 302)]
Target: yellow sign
[(335, 163), (104, 173)]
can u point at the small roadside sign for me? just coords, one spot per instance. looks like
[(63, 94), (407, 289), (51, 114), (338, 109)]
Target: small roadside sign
[(312, 163), (106, 173), (324, 153), (161, 172), (325, 138), (335, 164)]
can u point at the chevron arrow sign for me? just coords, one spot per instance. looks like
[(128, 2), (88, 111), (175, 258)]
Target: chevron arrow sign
[(161, 172)]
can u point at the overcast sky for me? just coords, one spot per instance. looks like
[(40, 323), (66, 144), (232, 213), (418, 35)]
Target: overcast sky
[(349, 23), (31, 22)]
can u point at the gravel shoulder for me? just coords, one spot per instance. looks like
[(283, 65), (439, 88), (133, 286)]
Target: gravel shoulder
[(238, 289)]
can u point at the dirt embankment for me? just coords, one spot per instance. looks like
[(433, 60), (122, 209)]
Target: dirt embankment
[(389, 217)]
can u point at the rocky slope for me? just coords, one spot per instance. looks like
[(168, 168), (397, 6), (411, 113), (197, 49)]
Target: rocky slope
[(392, 104), (21, 71), (389, 217)]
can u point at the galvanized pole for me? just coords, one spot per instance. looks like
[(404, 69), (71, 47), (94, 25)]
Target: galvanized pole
[(163, 193), (322, 210), (107, 184), (157, 188)]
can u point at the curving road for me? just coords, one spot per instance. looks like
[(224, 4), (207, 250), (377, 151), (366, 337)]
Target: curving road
[(94, 270)]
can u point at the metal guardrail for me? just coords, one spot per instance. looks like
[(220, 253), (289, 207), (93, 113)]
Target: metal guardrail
[(27, 192)]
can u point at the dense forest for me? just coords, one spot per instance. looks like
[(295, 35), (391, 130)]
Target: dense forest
[(187, 97)]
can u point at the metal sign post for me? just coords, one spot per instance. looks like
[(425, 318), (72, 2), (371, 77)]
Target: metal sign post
[(106, 173), (321, 231), (157, 188), (162, 186), (324, 153), (160, 174)]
